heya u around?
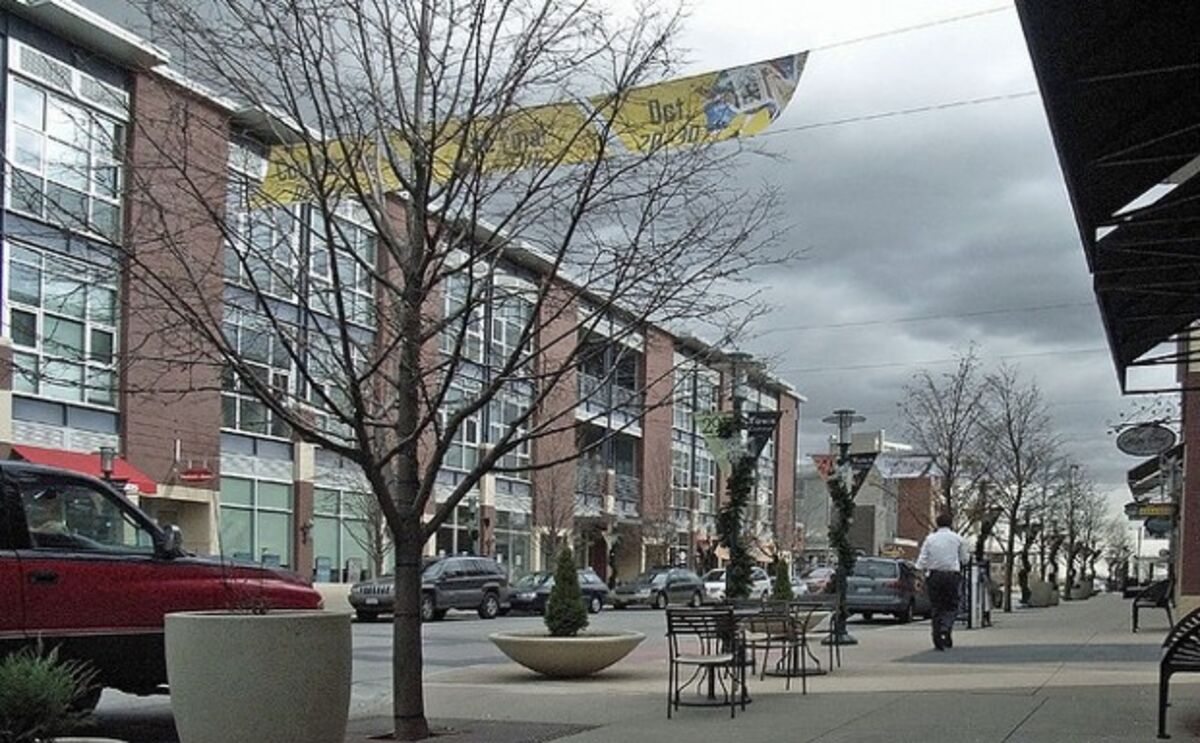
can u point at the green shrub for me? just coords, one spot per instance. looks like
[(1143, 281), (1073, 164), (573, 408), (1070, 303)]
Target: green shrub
[(782, 590), (566, 614), (39, 695)]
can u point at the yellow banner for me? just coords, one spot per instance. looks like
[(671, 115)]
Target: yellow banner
[(736, 102)]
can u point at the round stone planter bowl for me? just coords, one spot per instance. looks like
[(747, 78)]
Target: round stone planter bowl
[(566, 657)]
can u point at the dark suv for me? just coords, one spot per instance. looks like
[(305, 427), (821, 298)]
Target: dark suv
[(459, 582)]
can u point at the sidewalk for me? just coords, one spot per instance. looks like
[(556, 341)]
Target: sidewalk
[(1068, 673)]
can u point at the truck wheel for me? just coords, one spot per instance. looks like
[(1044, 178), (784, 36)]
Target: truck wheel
[(428, 610), (490, 608), (86, 702), (867, 616)]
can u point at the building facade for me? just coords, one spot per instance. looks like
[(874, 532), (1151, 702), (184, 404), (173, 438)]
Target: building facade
[(88, 108)]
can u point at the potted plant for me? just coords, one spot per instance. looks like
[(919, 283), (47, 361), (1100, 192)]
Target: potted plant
[(564, 652), (41, 697), (290, 678)]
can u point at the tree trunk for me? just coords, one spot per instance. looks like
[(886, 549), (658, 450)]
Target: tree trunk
[(1010, 557), (1026, 569), (408, 695), (1070, 570)]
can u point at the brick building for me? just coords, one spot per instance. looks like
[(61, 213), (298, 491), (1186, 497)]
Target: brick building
[(86, 365)]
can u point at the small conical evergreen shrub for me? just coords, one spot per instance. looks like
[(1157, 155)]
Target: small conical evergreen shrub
[(783, 582), (566, 614)]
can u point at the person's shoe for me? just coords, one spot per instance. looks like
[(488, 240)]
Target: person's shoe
[(947, 640), (938, 643)]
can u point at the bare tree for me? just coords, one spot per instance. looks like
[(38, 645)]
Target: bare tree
[(1016, 435), (446, 261), (941, 415), (1118, 549), (369, 528)]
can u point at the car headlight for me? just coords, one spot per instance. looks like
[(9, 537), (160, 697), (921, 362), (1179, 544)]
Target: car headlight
[(527, 596)]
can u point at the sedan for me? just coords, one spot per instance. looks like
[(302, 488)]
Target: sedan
[(819, 580), (714, 585), (659, 587), (532, 592)]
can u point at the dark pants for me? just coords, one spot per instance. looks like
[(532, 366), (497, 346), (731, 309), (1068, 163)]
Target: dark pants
[(943, 600)]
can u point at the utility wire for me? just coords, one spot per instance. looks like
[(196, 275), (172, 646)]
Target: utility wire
[(962, 103), (932, 362), (916, 27), (925, 318)]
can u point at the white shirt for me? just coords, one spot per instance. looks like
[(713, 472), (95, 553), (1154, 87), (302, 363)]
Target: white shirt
[(943, 550)]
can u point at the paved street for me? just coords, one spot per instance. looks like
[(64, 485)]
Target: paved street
[(1073, 672)]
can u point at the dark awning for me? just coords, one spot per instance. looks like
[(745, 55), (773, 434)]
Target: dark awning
[(1121, 85), (1148, 477)]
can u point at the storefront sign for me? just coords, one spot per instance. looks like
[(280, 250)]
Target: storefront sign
[(1146, 440), (1139, 511)]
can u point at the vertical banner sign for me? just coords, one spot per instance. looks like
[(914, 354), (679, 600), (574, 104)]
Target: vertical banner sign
[(760, 425), (722, 437), (712, 107)]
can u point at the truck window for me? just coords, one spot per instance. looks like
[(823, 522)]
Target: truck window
[(71, 516)]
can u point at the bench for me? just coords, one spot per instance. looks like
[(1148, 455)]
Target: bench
[(1181, 653), (1155, 596)]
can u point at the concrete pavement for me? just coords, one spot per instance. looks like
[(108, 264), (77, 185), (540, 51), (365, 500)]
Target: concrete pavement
[(1072, 672)]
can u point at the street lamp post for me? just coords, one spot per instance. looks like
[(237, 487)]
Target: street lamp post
[(841, 491), (108, 459)]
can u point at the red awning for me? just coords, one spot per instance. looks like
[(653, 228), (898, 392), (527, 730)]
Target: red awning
[(87, 464)]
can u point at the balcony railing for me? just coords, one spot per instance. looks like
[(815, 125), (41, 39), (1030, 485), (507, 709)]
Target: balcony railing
[(595, 395), (589, 479), (587, 504), (627, 487)]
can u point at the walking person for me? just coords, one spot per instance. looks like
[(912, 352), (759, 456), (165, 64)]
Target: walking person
[(943, 555)]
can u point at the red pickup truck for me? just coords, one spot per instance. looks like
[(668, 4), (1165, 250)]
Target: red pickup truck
[(81, 568)]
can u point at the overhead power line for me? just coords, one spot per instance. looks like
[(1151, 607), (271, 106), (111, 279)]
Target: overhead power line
[(934, 362), (915, 27), (925, 318)]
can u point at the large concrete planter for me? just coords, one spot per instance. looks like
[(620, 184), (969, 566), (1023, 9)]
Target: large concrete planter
[(566, 657), (1041, 594), (278, 677)]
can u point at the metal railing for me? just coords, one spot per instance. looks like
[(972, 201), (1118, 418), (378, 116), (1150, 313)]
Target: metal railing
[(599, 394)]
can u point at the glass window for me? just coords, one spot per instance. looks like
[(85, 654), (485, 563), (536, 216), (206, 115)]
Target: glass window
[(66, 155), (274, 495), (71, 337), (237, 533), (274, 537), (350, 238), (235, 490), (64, 515)]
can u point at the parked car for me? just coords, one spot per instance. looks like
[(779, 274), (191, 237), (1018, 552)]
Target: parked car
[(660, 586), (882, 585), (458, 582), (819, 580), (531, 592), (799, 587), (714, 585), (84, 570)]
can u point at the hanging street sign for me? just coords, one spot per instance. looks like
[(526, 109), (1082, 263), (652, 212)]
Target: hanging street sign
[(1146, 440), (722, 432), (1140, 511)]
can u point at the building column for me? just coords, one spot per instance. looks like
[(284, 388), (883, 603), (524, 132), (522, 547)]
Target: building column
[(304, 473)]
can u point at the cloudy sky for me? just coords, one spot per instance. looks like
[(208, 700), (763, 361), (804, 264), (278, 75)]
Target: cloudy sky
[(925, 231), (958, 214)]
